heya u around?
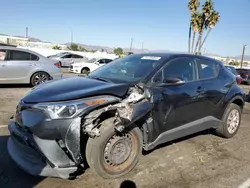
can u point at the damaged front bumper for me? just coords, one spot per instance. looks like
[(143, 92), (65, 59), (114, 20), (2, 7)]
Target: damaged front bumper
[(39, 157), (55, 147)]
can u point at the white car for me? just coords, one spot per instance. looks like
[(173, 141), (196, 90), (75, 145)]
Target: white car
[(66, 58), (85, 67)]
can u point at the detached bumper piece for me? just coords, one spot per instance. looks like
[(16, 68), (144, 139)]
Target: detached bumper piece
[(38, 157)]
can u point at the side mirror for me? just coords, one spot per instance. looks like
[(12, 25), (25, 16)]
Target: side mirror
[(171, 80)]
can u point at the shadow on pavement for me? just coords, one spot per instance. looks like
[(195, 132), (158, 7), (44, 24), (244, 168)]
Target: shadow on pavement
[(10, 174), (128, 184)]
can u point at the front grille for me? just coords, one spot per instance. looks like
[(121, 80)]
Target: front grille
[(71, 67)]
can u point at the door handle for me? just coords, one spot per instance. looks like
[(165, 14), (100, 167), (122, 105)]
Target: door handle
[(3, 65)]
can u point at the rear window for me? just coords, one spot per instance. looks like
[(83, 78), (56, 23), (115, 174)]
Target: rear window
[(21, 56)]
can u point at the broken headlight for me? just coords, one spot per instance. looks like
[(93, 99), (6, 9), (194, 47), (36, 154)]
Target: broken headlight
[(69, 109)]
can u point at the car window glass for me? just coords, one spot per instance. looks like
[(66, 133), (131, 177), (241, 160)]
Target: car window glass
[(67, 56), (101, 61), (183, 68), (2, 55), (19, 56), (158, 77), (107, 60), (77, 56), (34, 57), (208, 69)]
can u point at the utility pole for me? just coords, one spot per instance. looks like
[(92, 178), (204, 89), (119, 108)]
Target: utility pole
[(242, 57), (142, 46), (131, 44), (26, 32)]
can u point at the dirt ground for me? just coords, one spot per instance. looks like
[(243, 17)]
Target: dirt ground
[(203, 160)]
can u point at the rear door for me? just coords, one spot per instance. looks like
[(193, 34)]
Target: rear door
[(19, 65), (66, 60), (76, 58), (213, 86)]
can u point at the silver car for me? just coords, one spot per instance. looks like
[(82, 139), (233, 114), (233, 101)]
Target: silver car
[(24, 66), (66, 58)]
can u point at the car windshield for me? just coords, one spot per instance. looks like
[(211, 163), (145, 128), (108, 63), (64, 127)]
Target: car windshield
[(232, 69), (91, 60), (130, 69)]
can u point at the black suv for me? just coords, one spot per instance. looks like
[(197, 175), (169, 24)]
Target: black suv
[(108, 117)]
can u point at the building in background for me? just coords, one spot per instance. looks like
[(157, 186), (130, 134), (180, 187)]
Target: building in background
[(25, 42)]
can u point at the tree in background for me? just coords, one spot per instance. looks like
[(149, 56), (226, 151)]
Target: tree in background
[(201, 21), (193, 6), (195, 25), (118, 51), (56, 47), (73, 47), (212, 21)]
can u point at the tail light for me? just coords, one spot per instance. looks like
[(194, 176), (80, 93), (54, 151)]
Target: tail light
[(58, 64)]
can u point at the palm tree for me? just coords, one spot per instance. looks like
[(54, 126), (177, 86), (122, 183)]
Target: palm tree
[(207, 10), (193, 6), (213, 20), (200, 28), (195, 25)]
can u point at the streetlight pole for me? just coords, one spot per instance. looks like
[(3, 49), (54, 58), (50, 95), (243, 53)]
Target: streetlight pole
[(242, 57)]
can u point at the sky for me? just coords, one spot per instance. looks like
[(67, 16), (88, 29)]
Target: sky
[(159, 24)]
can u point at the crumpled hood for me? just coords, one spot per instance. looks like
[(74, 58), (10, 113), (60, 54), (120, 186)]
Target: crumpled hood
[(74, 88)]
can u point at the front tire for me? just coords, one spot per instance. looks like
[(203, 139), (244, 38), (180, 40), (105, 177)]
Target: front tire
[(85, 71), (231, 121), (112, 154)]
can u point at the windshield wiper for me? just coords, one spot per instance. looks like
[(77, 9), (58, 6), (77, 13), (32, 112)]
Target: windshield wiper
[(100, 78)]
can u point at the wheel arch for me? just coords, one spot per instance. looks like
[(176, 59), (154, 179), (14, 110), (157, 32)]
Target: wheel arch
[(37, 72), (85, 67)]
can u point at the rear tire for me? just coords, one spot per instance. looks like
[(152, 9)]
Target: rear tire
[(231, 121), (38, 78), (113, 155), (85, 71)]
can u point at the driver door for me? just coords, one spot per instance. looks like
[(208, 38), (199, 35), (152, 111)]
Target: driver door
[(177, 105)]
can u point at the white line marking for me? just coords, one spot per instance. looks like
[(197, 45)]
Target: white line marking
[(245, 184), (3, 126)]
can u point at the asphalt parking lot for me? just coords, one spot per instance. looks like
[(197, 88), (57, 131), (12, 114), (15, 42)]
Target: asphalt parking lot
[(203, 160)]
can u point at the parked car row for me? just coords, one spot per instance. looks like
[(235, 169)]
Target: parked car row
[(22, 66), (242, 75), (131, 104)]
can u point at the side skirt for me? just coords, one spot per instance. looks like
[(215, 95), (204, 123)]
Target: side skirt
[(184, 130)]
